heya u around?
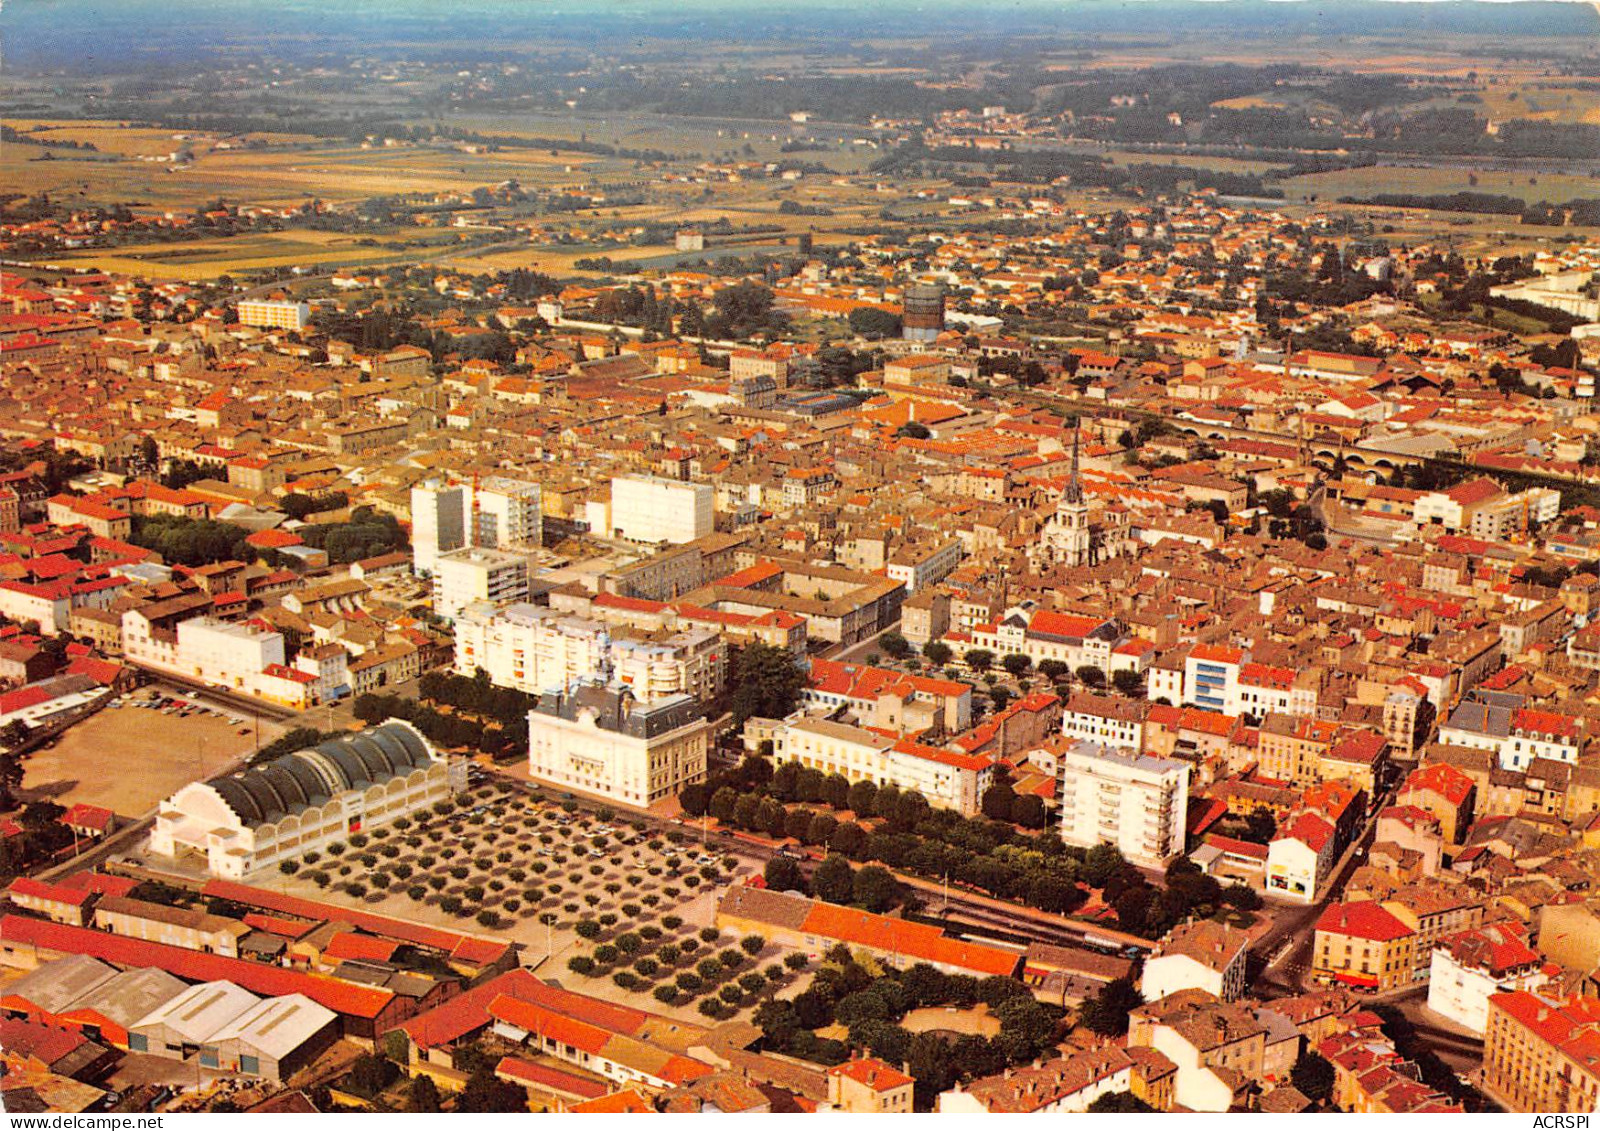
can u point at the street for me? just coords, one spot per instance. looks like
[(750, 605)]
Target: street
[(1285, 972)]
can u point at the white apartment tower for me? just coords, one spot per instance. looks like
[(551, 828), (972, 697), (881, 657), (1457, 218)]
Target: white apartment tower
[(507, 514), (465, 577), (647, 508), (274, 314), (438, 522), (1136, 802)]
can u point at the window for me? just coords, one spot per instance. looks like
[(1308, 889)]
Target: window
[(250, 1064)]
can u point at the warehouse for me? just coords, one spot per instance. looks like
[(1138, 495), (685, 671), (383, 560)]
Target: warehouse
[(84, 993), (275, 1037), (188, 1023), (42, 995), (113, 1007)]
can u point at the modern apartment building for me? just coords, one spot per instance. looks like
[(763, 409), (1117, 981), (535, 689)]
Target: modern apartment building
[(466, 577), (274, 315), (242, 657), (1137, 802), (1211, 678), (438, 522), (507, 513), (647, 508), (536, 649), (601, 740)]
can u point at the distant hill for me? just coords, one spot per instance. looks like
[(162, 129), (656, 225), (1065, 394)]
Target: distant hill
[(101, 36)]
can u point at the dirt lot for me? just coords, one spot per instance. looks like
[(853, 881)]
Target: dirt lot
[(129, 758), (951, 1020)]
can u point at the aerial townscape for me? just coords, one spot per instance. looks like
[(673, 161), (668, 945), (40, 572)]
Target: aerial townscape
[(667, 558)]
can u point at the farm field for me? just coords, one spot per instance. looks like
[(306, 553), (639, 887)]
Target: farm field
[(1544, 101), (683, 136), (207, 259), (281, 175), (1372, 180), (1124, 157)]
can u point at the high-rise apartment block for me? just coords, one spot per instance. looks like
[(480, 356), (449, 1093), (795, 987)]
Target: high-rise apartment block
[(1137, 802), (647, 508), (438, 522), (274, 315), (468, 576)]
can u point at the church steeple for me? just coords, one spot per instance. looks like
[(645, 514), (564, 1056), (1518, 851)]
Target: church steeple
[(1074, 491), (1066, 538)]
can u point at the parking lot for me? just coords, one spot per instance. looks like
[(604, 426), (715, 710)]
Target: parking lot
[(129, 757)]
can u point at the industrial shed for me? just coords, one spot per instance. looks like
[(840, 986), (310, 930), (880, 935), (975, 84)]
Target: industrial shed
[(276, 1037), (187, 1024), (115, 1006), (43, 994)]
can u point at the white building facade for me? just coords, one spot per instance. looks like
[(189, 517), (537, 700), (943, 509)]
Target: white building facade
[(949, 779), (247, 823), (1472, 966), (468, 576), (438, 522), (535, 649), (602, 741), (1137, 802), (649, 509), (507, 514)]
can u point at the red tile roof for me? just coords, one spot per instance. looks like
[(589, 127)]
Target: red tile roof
[(400, 929), (40, 889), (1446, 780), (82, 816), (912, 940), (1217, 654), (872, 1073), (467, 1012), (344, 998), (1362, 920), (1047, 623), (348, 944), (545, 1078)]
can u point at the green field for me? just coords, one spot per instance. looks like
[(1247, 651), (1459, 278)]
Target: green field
[(1376, 179)]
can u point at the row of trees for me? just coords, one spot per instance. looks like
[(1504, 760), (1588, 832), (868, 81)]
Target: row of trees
[(476, 696), (901, 831), (873, 887), (442, 729)]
